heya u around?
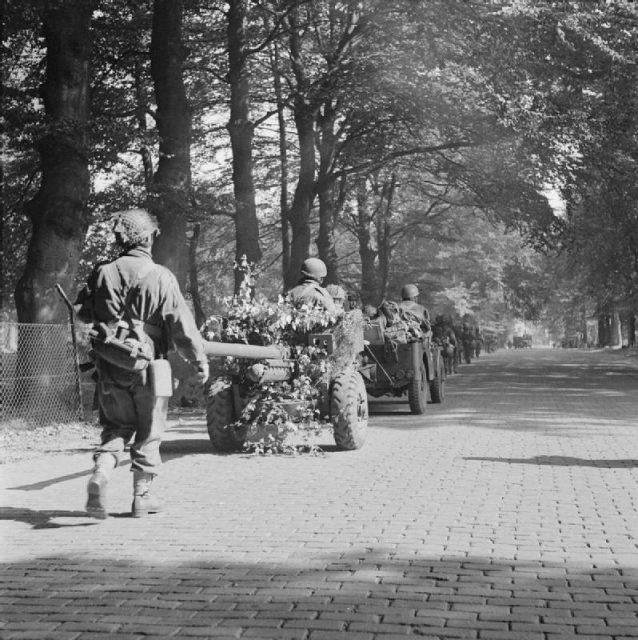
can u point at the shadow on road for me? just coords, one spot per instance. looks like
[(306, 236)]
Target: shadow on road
[(364, 592), (44, 484), (45, 519), (564, 461), (176, 447)]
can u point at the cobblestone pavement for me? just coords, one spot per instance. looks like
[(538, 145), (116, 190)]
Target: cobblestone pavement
[(508, 512)]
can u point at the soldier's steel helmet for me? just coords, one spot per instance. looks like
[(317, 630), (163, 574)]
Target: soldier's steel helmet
[(409, 291), (314, 268), (135, 226)]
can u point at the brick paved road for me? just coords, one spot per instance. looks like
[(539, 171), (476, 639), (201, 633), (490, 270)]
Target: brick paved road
[(508, 512)]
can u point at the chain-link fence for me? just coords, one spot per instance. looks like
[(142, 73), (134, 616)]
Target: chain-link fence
[(39, 373)]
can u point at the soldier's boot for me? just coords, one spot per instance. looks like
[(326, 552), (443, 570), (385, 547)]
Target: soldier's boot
[(96, 489), (143, 502)]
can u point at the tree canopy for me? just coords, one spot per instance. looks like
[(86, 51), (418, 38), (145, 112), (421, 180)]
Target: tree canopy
[(405, 141)]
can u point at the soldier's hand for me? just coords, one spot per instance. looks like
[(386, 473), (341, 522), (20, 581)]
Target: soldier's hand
[(202, 372)]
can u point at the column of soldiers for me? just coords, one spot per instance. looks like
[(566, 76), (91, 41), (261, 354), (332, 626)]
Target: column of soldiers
[(132, 292), (459, 342)]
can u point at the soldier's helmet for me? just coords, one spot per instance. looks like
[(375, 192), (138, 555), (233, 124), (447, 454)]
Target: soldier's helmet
[(135, 226), (314, 268), (409, 291)]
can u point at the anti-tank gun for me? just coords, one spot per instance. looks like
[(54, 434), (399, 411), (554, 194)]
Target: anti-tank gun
[(259, 377)]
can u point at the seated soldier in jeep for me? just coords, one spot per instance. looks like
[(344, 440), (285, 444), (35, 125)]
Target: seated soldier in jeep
[(409, 295), (308, 291)]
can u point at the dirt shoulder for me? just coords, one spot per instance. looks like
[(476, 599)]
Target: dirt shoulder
[(19, 441)]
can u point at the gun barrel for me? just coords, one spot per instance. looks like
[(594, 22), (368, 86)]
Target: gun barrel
[(248, 351)]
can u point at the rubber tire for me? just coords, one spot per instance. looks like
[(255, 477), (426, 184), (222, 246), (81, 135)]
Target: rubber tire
[(437, 386), (349, 410), (418, 393), (220, 412)]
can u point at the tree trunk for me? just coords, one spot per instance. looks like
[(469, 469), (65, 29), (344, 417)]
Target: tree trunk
[(606, 330), (141, 105), (602, 328), (58, 212), (327, 217), (200, 315), (304, 197), (384, 211), (305, 190), (616, 329), (241, 137), (2, 224), (283, 160), (583, 325), (326, 192), (169, 199), (384, 249), (367, 253)]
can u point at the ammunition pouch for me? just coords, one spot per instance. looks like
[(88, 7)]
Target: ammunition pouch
[(127, 348)]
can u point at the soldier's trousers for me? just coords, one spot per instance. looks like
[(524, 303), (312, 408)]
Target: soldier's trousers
[(128, 410)]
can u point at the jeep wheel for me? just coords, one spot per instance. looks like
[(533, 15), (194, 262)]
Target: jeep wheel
[(418, 393), (220, 413), (437, 386), (349, 410)]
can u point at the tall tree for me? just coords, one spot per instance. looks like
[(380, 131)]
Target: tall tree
[(275, 66), (240, 128), (304, 116), (337, 31), (170, 196), (58, 212)]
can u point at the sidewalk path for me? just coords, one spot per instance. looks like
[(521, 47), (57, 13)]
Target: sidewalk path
[(508, 512)]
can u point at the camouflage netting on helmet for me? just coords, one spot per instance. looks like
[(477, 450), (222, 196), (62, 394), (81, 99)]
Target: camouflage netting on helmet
[(279, 409), (135, 225)]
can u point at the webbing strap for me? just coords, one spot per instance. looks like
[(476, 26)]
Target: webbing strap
[(141, 275)]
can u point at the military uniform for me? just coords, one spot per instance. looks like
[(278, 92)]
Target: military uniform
[(309, 292), (417, 310), (126, 403), (444, 335), (467, 341)]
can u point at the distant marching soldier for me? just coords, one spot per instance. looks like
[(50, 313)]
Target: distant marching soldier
[(444, 335)]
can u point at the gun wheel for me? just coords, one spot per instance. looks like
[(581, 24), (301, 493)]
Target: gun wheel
[(437, 386), (220, 413), (418, 393), (349, 410)]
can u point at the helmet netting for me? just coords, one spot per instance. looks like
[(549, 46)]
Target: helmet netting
[(135, 225)]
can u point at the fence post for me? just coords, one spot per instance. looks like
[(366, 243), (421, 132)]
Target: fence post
[(74, 342)]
